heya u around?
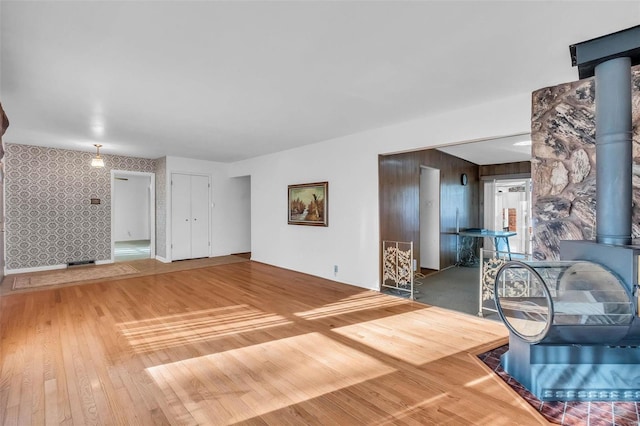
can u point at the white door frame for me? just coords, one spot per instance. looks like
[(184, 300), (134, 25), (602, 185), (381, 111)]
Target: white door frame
[(152, 208)]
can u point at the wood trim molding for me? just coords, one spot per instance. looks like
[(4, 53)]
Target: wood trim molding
[(5, 122)]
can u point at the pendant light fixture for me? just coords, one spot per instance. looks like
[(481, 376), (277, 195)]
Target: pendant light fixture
[(97, 161)]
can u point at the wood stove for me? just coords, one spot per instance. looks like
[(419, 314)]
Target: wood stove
[(576, 333)]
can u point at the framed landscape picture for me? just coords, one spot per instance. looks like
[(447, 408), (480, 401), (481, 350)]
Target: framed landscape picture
[(308, 204)]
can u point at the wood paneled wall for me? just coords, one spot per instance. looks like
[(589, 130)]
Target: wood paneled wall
[(519, 168), (399, 176)]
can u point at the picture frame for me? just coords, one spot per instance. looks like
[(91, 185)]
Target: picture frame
[(308, 204)]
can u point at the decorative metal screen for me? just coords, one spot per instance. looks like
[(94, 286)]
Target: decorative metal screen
[(490, 262), (397, 266)]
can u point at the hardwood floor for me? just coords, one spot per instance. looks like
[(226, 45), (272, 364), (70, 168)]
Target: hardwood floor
[(144, 266), (244, 343)]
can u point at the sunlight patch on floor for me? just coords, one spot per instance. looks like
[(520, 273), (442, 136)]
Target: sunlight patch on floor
[(402, 336), (355, 303), (175, 330), (407, 413), (480, 381), (240, 384)]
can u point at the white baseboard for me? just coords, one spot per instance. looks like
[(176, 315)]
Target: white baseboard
[(48, 268), (36, 269), (162, 259)]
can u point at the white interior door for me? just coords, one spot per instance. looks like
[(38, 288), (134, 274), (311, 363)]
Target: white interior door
[(180, 216), (429, 218), (199, 216)]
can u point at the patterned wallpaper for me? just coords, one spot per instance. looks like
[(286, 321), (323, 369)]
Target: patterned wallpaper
[(161, 207), (564, 164), (49, 218)]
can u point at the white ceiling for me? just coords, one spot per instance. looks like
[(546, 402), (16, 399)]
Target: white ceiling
[(224, 81), (502, 150)]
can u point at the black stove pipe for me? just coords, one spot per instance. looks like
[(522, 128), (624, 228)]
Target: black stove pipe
[(614, 155)]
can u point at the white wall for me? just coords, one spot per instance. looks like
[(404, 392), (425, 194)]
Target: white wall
[(131, 208), (489, 220), (230, 207), (350, 165), (238, 206)]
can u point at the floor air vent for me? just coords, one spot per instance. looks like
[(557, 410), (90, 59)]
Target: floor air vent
[(81, 263)]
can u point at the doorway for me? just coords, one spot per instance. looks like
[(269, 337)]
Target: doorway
[(429, 218), (508, 208), (132, 215)]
